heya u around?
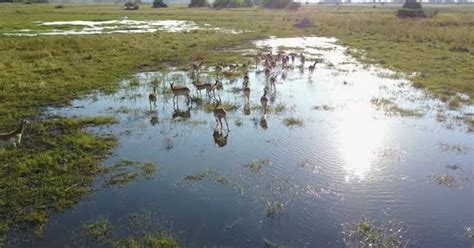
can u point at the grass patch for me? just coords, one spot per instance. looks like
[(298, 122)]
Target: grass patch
[(292, 121), (54, 169), (207, 173), (257, 165), (391, 108), (367, 233), (97, 229), (125, 171)]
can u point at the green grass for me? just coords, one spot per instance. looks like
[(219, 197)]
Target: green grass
[(58, 161)]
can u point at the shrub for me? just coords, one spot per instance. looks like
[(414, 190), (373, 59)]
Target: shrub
[(59, 6), (159, 4), (232, 3), (198, 3), (131, 6), (275, 4), (294, 6), (304, 23), (411, 4), (413, 13)]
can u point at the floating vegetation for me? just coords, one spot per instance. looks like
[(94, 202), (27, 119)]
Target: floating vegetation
[(446, 180), (125, 171), (291, 121), (324, 107), (238, 122), (273, 208), (227, 106), (280, 107), (453, 167), (233, 224), (97, 229), (257, 165), (144, 229), (158, 240), (204, 174), (391, 108), (469, 233), (460, 149), (366, 233)]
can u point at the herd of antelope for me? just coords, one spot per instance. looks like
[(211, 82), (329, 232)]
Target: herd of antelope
[(274, 66)]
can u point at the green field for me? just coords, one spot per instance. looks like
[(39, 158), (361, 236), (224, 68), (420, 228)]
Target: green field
[(58, 161)]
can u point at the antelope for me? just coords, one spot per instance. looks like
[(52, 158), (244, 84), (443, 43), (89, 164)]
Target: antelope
[(267, 71), (292, 55), (203, 86), (247, 92), (219, 69), (219, 113), (264, 100), (246, 78), (311, 67), (272, 82), (233, 66), (303, 59), (180, 91), (196, 65), (13, 137), (152, 97)]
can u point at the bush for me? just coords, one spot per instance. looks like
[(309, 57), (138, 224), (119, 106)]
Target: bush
[(131, 6), (59, 6), (198, 3), (411, 4), (159, 4), (275, 4), (294, 6), (413, 13), (232, 3), (304, 23)]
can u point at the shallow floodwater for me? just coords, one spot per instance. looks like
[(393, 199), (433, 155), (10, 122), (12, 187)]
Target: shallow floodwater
[(368, 144), (123, 26)]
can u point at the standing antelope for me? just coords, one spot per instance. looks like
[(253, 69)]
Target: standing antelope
[(196, 65), (152, 97), (272, 83), (311, 67), (13, 137), (247, 92), (303, 59), (202, 86), (264, 100), (180, 91), (219, 113)]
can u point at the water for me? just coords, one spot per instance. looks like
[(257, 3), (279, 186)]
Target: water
[(122, 26), (351, 157)]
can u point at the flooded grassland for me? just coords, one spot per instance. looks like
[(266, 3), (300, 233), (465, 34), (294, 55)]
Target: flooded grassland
[(345, 155), (348, 154)]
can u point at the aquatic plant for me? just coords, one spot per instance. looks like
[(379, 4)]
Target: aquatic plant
[(367, 233), (292, 121), (469, 233), (201, 175), (273, 208), (97, 229), (256, 165), (125, 171)]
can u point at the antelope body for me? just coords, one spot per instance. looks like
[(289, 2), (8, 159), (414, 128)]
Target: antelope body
[(13, 137)]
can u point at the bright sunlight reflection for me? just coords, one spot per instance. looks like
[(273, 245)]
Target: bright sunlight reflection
[(360, 136)]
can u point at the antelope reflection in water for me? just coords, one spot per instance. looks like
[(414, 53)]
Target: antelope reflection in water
[(181, 114), (220, 136), (263, 122)]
